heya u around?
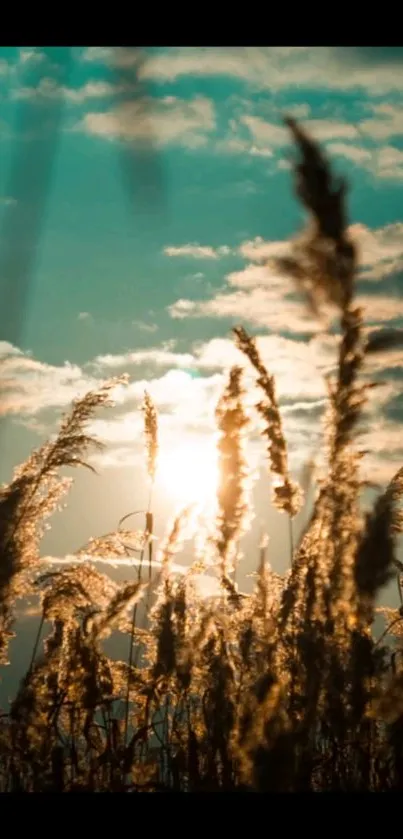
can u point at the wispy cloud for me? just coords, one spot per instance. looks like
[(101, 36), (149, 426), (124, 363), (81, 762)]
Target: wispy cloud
[(271, 293), (386, 122), (8, 350), (31, 55), (144, 326), (297, 366), (122, 57), (262, 67), (186, 398), (379, 308), (265, 133), (357, 154), (159, 357), (181, 308), (164, 120), (28, 385), (357, 141), (257, 306), (48, 90), (259, 250), (185, 403), (268, 134), (196, 251), (257, 295), (380, 249), (188, 395), (385, 163)]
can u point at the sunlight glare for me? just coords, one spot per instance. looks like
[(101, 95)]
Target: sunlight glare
[(188, 472)]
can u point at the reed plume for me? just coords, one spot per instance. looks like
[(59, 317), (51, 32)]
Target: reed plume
[(287, 495), (231, 491), (34, 494), (151, 434)]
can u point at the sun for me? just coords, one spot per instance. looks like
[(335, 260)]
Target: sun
[(188, 472)]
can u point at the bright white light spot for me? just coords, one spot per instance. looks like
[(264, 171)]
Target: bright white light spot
[(188, 472)]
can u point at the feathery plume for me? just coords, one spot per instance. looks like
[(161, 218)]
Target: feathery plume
[(287, 494), (231, 491), (151, 434)]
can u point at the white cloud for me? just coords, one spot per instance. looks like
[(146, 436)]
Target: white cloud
[(117, 456), (259, 250), (186, 399), (202, 62), (380, 249), (7, 349), (270, 68), (181, 308), (217, 353), (197, 251), (297, 366), (384, 163), (345, 139), (124, 57), (28, 386), (327, 129), (357, 154), (120, 431), (233, 145), (264, 132), (158, 357), (162, 121), (261, 296), (380, 308), (270, 134), (144, 326), (383, 444), (301, 111), (257, 276), (84, 316), (380, 252), (267, 137), (389, 163), (182, 396), (387, 122), (260, 152), (179, 390), (49, 90), (257, 306), (31, 55), (185, 403)]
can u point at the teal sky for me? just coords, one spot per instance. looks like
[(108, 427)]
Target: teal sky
[(141, 195)]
